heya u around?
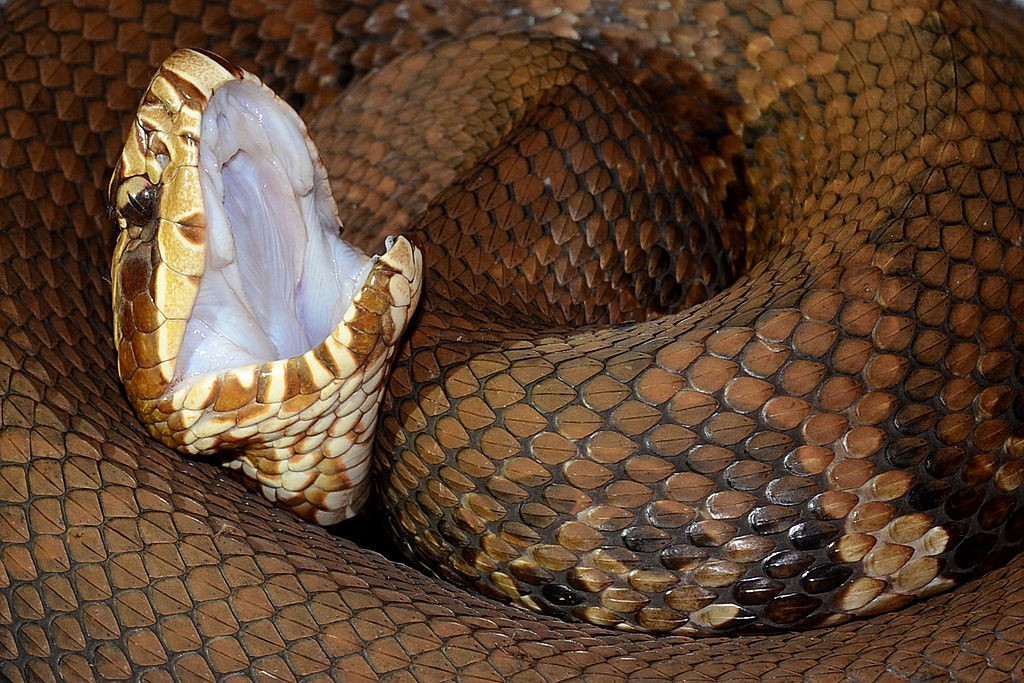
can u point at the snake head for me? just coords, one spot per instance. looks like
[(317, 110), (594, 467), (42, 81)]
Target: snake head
[(242, 322)]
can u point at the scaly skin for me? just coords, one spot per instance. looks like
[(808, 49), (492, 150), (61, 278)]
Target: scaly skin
[(120, 559)]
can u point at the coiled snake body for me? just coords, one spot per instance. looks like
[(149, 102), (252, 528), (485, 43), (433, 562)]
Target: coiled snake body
[(835, 433)]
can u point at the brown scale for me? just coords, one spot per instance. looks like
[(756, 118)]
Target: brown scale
[(120, 560), (816, 383)]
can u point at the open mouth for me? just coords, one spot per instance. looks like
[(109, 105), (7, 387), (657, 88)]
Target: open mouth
[(278, 277)]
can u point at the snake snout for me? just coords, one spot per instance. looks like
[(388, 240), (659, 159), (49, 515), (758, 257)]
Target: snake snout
[(243, 321)]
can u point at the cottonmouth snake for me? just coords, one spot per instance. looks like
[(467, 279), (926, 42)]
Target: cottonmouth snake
[(120, 559)]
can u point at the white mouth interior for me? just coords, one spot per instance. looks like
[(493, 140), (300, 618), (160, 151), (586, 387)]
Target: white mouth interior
[(278, 277)]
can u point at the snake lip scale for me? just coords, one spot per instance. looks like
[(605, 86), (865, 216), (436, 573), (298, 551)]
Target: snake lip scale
[(589, 415)]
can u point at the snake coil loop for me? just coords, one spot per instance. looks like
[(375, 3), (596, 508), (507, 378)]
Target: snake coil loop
[(567, 426)]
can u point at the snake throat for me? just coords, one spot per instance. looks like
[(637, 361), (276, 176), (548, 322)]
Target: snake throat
[(243, 322)]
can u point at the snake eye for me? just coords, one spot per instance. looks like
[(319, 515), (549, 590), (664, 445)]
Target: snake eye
[(136, 200)]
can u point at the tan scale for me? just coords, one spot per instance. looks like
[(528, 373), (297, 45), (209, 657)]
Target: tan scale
[(301, 427)]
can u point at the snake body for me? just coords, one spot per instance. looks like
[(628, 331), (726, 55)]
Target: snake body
[(878, 152)]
